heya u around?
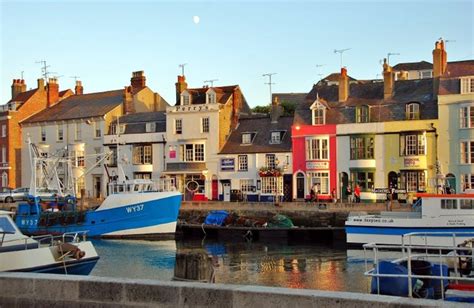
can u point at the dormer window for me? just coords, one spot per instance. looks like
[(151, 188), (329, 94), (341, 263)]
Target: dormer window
[(413, 111), (247, 138), (318, 111), (362, 114), (276, 137), (467, 85), (185, 99), (211, 97), (150, 127)]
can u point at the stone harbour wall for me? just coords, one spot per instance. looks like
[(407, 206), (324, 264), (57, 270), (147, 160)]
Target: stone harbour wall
[(41, 290)]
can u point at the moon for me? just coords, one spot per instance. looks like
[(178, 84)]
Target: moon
[(196, 19)]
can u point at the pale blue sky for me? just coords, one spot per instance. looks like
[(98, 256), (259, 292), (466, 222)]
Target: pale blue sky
[(235, 42)]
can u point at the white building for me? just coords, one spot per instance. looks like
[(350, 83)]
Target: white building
[(196, 129), (79, 124)]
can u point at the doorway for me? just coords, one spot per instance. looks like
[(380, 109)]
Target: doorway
[(287, 187), (344, 184), (97, 186), (215, 188), (300, 185), (451, 183)]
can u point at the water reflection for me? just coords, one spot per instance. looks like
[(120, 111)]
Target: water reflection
[(299, 266)]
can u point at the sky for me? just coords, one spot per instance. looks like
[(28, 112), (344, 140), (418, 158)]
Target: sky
[(236, 42)]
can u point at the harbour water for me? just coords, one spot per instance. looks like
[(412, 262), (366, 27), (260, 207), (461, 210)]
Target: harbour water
[(317, 266)]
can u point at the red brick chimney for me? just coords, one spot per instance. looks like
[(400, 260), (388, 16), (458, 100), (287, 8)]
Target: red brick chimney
[(128, 100), (440, 59), (181, 85), (388, 80), (79, 89), (52, 92), (138, 80), (343, 85), (18, 86)]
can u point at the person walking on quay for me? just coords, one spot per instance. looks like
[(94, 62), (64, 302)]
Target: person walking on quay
[(333, 195), (349, 193), (357, 194), (315, 192)]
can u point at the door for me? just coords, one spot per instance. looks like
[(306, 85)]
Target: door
[(450, 183), (226, 189), (287, 187), (344, 184), (393, 183), (300, 186), (97, 186), (215, 189)]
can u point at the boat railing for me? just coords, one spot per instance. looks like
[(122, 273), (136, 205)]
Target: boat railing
[(443, 256), (68, 237), (141, 185)]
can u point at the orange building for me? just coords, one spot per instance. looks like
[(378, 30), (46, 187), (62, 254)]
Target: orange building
[(21, 106)]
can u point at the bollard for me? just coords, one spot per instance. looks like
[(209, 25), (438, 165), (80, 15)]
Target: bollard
[(193, 266)]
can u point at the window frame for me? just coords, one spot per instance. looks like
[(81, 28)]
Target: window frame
[(366, 183), (317, 149), (466, 152), (362, 147), (466, 117), (466, 85), (412, 111), (242, 163), (362, 114), (318, 115), (178, 129), (43, 134), (417, 145), (270, 161), (142, 154), (205, 125), (60, 133), (188, 152)]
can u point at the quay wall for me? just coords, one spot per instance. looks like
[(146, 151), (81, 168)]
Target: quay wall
[(40, 290)]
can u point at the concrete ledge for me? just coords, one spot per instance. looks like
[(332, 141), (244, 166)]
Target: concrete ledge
[(25, 289)]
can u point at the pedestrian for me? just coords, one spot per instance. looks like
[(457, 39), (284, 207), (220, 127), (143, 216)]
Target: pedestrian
[(349, 193), (311, 193), (357, 194), (333, 195)]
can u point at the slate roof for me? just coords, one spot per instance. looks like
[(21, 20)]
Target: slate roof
[(296, 98), (371, 94), (198, 95), (262, 126), (136, 122), (450, 83), (413, 66), (80, 106), (335, 77)]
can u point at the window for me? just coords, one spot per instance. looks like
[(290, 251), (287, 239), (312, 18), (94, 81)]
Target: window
[(142, 175), (466, 204), (364, 178), (178, 126), (426, 74), (60, 133), (4, 154), (449, 204), (97, 130), (362, 147), (211, 98), (43, 134), (467, 181), (321, 179), (78, 132), (79, 158), (270, 161), (412, 144), (112, 161), (150, 127), (413, 181), (246, 138), (246, 185), (242, 163), (319, 115), (467, 152), (122, 128), (275, 137), (317, 148), (192, 152), (205, 125), (185, 99), (466, 117), (467, 85), (4, 179), (4, 130), (362, 114), (142, 155), (272, 185), (412, 111)]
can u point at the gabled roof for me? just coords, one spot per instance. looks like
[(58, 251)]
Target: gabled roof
[(222, 94), (459, 69), (262, 126), (371, 94), (334, 77), (413, 66), (80, 106), (23, 96)]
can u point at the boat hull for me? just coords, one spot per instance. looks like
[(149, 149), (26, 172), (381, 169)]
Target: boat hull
[(121, 215)]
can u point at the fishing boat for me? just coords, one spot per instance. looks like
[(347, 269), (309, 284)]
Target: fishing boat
[(133, 208), (65, 254), (422, 271), (433, 214)]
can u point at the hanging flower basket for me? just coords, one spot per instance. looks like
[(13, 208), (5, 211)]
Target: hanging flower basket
[(268, 172)]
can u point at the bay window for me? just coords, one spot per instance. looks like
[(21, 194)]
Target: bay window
[(466, 117), (272, 185), (192, 152), (364, 178), (362, 147)]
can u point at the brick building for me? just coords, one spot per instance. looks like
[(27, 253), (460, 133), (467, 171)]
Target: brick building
[(21, 106)]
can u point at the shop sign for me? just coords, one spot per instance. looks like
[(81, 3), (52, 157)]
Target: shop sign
[(227, 164), (310, 165), (412, 162), (172, 153), (387, 190)]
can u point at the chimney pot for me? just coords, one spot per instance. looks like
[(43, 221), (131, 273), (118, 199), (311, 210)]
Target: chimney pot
[(79, 89), (52, 92), (181, 85), (138, 79), (388, 80), (343, 85)]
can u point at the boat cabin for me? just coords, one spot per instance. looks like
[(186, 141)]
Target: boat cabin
[(445, 204)]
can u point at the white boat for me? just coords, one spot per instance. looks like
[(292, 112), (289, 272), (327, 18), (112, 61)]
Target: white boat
[(65, 254), (437, 215)]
